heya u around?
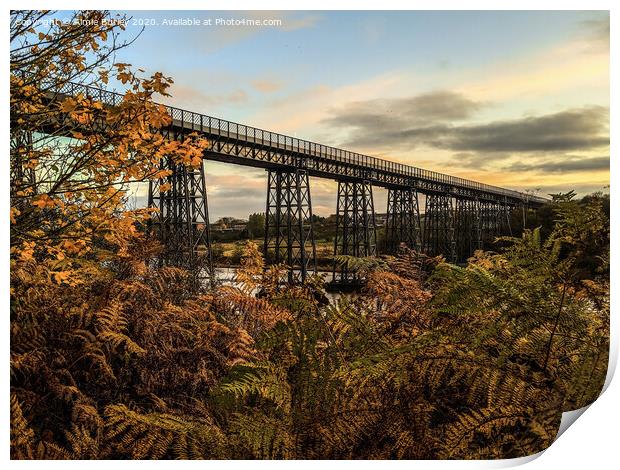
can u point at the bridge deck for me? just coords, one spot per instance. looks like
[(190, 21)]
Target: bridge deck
[(246, 145)]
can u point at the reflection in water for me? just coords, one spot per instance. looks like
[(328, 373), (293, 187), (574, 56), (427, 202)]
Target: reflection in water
[(226, 276)]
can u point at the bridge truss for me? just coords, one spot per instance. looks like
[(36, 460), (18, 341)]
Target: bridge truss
[(460, 215)]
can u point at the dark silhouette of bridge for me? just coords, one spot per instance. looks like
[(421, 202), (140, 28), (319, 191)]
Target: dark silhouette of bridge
[(460, 215)]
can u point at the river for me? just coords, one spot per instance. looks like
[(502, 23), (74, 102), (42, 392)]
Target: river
[(226, 275)]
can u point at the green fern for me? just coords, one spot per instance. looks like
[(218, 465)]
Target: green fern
[(161, 435)]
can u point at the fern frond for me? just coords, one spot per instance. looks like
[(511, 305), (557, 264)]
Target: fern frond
[(160, 435), (475, 429), (22, 436), (263, 436), (263, 380)]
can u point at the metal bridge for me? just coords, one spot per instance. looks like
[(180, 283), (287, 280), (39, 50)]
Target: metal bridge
[(459, 216)]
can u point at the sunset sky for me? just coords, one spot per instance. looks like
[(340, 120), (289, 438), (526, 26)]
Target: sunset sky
[(516, 99)]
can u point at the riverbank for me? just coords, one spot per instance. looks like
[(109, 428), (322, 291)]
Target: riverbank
[(228, 254)]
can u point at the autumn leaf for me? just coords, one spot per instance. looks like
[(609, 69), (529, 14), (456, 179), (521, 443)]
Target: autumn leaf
[(14, 213), (26, 251), (43, 201), (68, 105), (60, 276)]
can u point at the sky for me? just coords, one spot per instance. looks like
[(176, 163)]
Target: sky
[(515, 99)]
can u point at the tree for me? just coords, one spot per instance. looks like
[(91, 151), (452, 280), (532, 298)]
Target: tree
[(256, 225), (77, 255), (72, 157)]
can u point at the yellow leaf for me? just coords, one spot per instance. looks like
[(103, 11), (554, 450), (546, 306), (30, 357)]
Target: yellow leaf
[(60, 276), (43, 201), (14, 213), (27, 251), (68, 105)]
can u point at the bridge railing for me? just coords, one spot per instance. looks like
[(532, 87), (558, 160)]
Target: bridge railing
[(212, 125)]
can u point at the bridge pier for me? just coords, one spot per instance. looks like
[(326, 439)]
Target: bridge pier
[(468, 229), (182, 220), (356, 232), (495, 219), (403, 220), (289, 237), (439, 236), (489, 223), (506, 218), (477, 240)]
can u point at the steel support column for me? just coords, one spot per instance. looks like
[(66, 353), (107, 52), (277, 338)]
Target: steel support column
[(356, 232), (289, 237), (477, 226), (488, 223), (439, 237), (403, 220), (468, 231), (506, 226), (181, 221)]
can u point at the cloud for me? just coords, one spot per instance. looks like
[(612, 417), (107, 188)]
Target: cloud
[(476, 160), (233, 193), (291, 23), (580, 63), (595, 34), (302, 110), (565, 165), (581, 189), (219, 37), (427, 120), (575, 129), (399, 113), (266, 85), (191, 97)]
